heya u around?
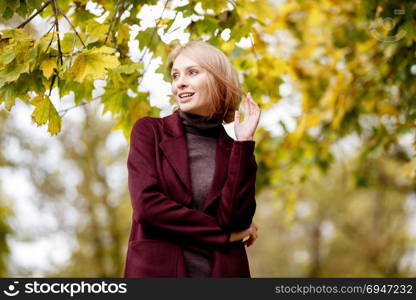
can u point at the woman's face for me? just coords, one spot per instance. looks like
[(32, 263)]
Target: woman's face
[(190, 86)]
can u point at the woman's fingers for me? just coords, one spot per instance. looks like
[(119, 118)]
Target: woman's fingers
[(248, 236), (237, 117), (253, 104), (254, 109), (253, 235), (248, 101), (251, 240), (245, 105), (254, 225)]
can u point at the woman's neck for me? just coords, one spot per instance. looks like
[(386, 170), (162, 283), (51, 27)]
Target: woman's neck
[(201, 125)]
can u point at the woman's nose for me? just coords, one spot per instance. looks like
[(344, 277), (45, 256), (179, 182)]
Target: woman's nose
[(181, 83)]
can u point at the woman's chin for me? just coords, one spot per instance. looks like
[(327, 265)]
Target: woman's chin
[(185, 107)]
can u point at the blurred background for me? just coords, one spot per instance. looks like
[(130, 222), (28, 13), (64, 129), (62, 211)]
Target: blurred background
[(335, 145)]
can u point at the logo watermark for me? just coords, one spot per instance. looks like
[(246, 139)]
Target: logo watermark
[(11, 289), (70, 289)]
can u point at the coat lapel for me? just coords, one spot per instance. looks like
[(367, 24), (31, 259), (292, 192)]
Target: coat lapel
[(222, 157), (175, 149)]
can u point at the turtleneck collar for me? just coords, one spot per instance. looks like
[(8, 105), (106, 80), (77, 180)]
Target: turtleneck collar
[(201, 125)]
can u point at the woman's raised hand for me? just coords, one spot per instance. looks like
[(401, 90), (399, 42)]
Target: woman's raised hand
[(250, 232), (245, 130)]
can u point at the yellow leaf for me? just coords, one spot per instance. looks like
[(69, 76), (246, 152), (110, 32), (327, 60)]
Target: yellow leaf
[(102, 50), (316, 17), (123, 33), (44, 112), (329, 99), (17, 34), (299, 131), (93, 63), (47, 67), (313, 119), (385, 108), (54, 122), (140, 109)]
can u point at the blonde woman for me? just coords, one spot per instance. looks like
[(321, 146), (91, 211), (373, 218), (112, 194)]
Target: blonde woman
[(192, 187)]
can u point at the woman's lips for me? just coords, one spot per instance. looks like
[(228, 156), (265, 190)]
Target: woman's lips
[(183, 100)]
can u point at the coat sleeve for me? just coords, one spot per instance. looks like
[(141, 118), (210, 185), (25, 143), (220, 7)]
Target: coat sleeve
[(237, 204), (151, 207)]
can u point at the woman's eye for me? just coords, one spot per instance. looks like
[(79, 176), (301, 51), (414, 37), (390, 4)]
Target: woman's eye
[(174, 76), (194, 72)]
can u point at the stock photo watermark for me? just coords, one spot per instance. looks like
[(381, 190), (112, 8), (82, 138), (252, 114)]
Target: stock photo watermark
[(381, 25), (70, 289)]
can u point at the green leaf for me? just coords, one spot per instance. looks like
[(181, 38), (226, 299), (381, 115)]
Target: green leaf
[(187, 10), (22, 10), (145, 36), (8, 95), (12, 72), (216, 5), (33, 81), (243, 30), (129, 68), (13, 5), (115, 100), (7, 58), (163, 69), (82, 91), (208, 25), (45, 112), (17, 34), (7, 14), (67, 42), (33, 4), (42, 43)]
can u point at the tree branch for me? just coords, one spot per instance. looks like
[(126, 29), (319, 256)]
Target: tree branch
[(52, 82), (168, 29), (50, 42), (72, 25), (116, 24), (55, 9), (53, 25), (72, 53), (112, 21), (150, 41), (38, 11), (64, 111)]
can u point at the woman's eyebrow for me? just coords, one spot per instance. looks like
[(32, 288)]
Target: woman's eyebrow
[(189, 67)]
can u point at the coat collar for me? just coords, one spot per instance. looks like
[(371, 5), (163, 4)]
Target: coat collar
[(174, 146)]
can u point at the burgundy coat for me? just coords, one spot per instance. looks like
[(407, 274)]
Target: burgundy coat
[(160, 190)]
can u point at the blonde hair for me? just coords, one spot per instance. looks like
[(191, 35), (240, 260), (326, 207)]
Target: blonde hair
[(224, 90)]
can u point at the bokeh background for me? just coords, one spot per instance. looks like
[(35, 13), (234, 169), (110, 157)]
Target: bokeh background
[(336, 81)]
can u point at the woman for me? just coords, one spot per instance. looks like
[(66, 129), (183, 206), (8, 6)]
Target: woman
[(192, 187)]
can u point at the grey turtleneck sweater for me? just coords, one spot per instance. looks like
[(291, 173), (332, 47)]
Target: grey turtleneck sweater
[(201, 135)]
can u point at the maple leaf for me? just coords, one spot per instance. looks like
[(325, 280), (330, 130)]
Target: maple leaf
[(94, 63), (47, 67), (44, 112)]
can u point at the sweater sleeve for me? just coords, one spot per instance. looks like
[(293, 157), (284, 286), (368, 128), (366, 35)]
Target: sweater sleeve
[(237, 204), (151, 207)]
